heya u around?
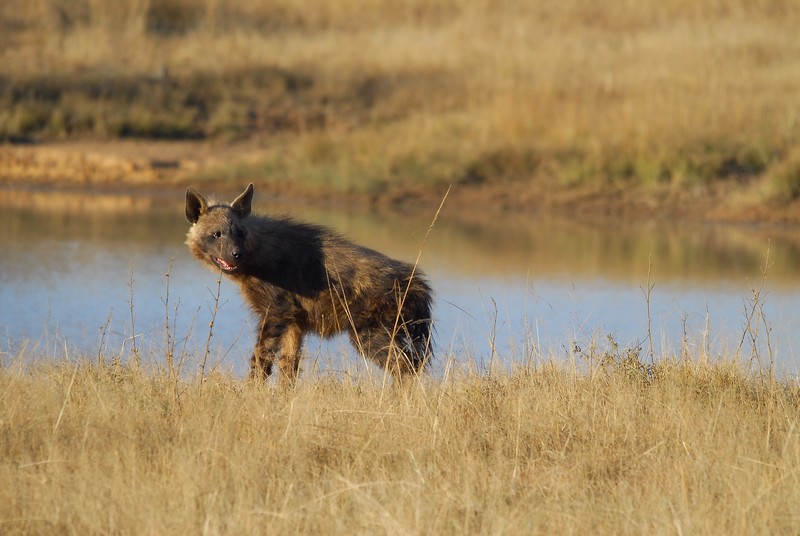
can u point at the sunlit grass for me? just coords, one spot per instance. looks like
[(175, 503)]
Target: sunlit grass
[(549, 447)]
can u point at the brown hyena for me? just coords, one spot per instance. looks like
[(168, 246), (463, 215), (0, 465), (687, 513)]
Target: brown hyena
[(300, 278)]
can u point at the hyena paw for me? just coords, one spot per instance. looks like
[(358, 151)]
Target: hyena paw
[(259, 370)]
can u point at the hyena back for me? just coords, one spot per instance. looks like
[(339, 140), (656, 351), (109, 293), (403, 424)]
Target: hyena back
[(300, 278)]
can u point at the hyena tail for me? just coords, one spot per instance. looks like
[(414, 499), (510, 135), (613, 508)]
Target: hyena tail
[(418, 344), (416, 337)]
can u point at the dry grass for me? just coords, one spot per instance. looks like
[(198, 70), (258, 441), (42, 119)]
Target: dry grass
[(364, 95), (615, 448)]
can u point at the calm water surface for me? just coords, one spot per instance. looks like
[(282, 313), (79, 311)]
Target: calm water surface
[(86, 277)]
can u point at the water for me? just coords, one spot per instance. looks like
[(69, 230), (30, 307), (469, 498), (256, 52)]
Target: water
[(83, 274)]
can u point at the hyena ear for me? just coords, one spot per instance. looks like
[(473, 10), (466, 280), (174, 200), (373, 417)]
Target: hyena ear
[(196, 205), (242, 204)]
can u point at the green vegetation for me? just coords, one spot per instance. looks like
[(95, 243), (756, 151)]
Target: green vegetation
[(363, 96), (613, 447)]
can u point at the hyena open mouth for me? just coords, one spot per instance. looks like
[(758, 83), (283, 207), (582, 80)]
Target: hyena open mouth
[(224, 265)]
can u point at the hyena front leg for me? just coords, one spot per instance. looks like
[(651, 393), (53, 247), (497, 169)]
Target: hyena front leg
[(265, 351), (261, 363), (277, 338), (290, 343)]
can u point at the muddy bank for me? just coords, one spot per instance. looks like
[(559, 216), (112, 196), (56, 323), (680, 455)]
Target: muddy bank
[(133, 176)]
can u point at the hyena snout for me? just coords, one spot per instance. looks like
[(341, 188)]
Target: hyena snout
[(231, 259), (227, 254), (232, 248)]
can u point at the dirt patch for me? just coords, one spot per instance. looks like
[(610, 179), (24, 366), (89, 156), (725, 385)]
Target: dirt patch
[(124, 164)]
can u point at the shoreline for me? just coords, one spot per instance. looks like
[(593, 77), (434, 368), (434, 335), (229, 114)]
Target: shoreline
[(135, 176)]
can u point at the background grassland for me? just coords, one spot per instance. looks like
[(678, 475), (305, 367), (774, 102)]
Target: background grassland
[(613, 449), (360, 96)]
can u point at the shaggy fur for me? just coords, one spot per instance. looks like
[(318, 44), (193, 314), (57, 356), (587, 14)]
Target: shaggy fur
[(300, 278)]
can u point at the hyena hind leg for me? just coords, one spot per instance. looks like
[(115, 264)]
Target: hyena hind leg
[(392, 353)]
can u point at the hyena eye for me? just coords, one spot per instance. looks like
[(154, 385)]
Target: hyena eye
[(216, 234)]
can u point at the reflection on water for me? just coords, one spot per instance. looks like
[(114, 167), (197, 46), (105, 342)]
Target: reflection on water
[(516, 289)]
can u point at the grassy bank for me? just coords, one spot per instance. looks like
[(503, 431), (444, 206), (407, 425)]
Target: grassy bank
[(615, 448), (380, 96)]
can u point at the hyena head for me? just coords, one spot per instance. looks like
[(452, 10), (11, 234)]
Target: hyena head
[(218, 234)]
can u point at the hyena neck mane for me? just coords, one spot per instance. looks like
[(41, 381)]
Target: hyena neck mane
[(287, 254)]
